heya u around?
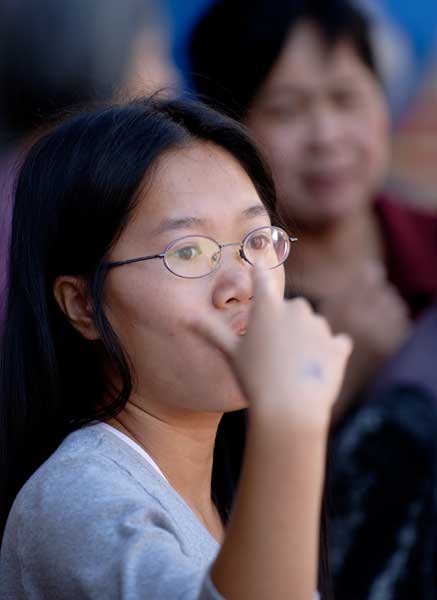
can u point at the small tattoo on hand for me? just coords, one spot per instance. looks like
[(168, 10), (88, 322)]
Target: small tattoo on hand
[(313, 369)]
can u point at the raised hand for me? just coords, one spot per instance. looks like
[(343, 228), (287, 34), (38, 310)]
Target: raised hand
[(372, 312), (288, 362)]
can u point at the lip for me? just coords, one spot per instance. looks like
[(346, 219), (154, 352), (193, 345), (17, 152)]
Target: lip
[(328, 177), (239, 322), (325, 186)]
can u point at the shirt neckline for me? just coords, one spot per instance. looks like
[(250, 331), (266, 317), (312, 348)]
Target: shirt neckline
[(134, 445)]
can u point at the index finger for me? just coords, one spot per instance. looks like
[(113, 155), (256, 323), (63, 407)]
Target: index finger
[(265, 294), (214, 331)]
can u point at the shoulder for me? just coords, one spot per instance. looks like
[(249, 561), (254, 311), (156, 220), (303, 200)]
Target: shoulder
[(89, 475), (413, 365), (410, 238), (91, 496), (88, 457), (394, 212), (96, 519)]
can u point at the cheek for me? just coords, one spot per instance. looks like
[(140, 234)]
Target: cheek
[(281, 142), (287, 153), (380, 144), (139, 309), (287, 160), (371, 135), (127, 302), (283, 146), (152, 317), (170, 361)]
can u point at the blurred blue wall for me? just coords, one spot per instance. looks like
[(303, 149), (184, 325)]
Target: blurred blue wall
[(419, 20), (184, 13)]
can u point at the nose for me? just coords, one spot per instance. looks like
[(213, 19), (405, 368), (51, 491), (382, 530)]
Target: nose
[(325, 128), (233, 280)]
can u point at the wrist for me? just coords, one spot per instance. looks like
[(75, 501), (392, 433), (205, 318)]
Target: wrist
[(275, 421)]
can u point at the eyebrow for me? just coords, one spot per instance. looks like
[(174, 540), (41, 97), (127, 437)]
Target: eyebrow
[(285, 90), (175, 224), (257, 210), (179, 223)]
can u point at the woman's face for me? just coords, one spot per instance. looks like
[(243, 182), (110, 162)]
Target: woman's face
[(197, 190), (321, 117)]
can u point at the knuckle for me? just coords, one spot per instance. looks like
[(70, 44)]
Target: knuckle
[(323, 323), (301, 305)]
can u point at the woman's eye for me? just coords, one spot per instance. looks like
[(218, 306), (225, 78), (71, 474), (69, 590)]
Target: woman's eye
[(188, 252), (258, 242), (283, 113), (346, 99)]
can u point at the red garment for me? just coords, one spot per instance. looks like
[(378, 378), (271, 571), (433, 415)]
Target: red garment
[(410, 237)]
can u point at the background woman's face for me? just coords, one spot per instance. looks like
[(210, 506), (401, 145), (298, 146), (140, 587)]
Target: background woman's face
[(197, 190), (321, 117)]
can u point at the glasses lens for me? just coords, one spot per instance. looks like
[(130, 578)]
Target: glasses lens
[(267, 247), (192, 257)]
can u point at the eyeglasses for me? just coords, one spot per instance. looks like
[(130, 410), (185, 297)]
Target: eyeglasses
[(194, 256)]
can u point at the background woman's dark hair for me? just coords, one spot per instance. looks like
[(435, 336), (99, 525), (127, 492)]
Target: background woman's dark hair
[(236, 43), (75, 193)]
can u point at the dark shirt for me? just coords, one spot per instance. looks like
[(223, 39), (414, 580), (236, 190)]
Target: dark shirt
[(382, 478), (383, 481)]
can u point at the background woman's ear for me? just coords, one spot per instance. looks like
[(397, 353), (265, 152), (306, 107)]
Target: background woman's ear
[(72, 298)]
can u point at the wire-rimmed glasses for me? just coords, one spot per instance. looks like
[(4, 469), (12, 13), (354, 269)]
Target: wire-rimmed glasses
[(195, 256)]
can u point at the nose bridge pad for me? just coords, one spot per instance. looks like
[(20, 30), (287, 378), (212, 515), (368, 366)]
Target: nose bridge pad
[(241, 254), (216, 259)]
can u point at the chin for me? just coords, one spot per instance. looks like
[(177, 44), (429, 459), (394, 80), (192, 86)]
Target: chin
[(330, 213), (231, 401), (236, 405)]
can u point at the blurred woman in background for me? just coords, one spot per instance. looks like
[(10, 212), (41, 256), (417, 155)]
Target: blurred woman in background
[(303, 76)]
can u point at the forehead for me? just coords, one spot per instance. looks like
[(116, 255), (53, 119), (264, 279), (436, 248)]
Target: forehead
[(203, 181), (306, 61)]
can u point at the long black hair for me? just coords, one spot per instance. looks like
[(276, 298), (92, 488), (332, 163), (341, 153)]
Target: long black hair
[(236, 43), (75, 192)]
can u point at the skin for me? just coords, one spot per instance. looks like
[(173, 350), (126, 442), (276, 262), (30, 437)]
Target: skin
[(192, 363), (321, 117), (195, 182), (183, 384)]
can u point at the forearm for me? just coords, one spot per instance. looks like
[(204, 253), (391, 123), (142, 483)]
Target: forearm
[(271, 547)]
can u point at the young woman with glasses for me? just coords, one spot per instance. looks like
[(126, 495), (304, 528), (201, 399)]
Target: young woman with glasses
[(145, 302)]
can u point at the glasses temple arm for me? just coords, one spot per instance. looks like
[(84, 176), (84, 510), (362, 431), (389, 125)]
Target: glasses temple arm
[(119, 263)]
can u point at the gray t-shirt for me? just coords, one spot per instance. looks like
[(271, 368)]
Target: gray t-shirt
[(96, 521)]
